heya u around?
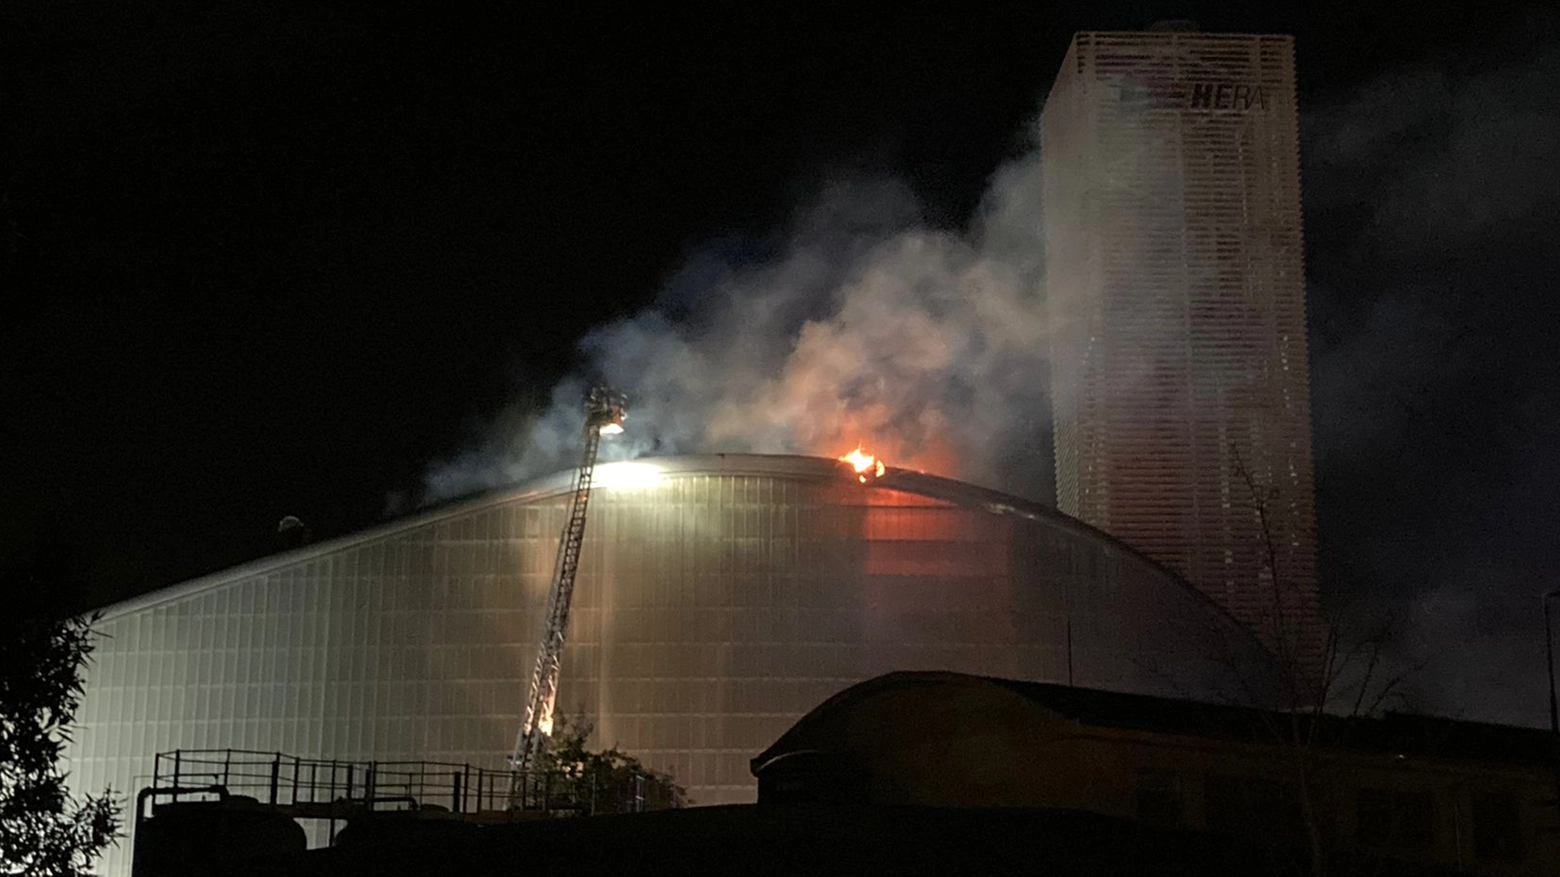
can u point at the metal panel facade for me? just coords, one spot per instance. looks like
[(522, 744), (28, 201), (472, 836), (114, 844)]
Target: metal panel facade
[(719, 599), (1177, 295)]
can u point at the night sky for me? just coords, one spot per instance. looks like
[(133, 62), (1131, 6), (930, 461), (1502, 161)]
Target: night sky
[(263, 260)]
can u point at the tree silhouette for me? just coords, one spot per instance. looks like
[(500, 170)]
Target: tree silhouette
[(602, 781), (44, 830), (1344, 673)]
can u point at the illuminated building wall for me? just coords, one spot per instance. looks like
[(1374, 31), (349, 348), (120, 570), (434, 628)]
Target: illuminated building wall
[(1176, 292), (719, 599)]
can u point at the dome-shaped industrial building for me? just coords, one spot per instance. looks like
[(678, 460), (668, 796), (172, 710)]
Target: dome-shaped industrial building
[(719, 598)]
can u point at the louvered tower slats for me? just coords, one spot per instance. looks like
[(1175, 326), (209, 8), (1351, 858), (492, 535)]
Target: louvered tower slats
[(1177, 300)]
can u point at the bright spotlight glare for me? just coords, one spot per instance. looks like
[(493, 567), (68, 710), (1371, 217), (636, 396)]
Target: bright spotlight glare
[(611, 428), (627, 475)]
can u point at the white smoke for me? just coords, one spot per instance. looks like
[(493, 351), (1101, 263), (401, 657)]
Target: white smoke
[(926, 345)]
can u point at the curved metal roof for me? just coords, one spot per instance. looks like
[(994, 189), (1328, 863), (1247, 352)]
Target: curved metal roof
[(789, 467)]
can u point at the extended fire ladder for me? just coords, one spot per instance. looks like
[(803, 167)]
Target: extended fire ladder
[(604, 412)]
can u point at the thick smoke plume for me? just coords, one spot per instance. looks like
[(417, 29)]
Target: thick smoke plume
[(865, 325)]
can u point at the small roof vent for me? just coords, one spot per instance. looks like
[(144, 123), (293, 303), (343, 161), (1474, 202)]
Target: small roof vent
[(293, 532)]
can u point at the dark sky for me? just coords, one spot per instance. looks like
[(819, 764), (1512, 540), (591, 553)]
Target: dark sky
[(265, 260)]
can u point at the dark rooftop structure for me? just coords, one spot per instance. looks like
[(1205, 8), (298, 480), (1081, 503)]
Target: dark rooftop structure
[(1429, 792), (1396, 733)]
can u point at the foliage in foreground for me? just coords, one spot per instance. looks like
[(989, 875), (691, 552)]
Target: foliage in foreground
[(605, 781), (44, 830)]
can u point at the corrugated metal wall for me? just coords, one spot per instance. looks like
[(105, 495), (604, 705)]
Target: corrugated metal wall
[(712, 610)]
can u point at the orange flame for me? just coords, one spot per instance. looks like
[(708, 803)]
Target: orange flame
[(864, 463)]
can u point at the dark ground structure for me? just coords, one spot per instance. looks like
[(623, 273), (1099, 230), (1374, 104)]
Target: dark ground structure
[(807, 839), (830, 840), (935, 772), (1423, 791)]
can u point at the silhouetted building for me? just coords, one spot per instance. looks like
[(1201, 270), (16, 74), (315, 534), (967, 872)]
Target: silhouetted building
[(1176, 291), (1418, 790)]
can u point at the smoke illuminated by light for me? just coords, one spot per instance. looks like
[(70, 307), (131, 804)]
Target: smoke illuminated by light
[(630, 476), (861, 321)]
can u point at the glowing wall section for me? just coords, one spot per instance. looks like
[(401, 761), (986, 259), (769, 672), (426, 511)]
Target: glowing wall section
[(1176, 293), (718, 600)]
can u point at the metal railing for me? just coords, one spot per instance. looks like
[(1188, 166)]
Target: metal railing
[(329, 787)]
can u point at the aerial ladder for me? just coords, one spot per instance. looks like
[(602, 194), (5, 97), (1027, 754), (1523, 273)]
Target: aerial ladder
[(604, 413)]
